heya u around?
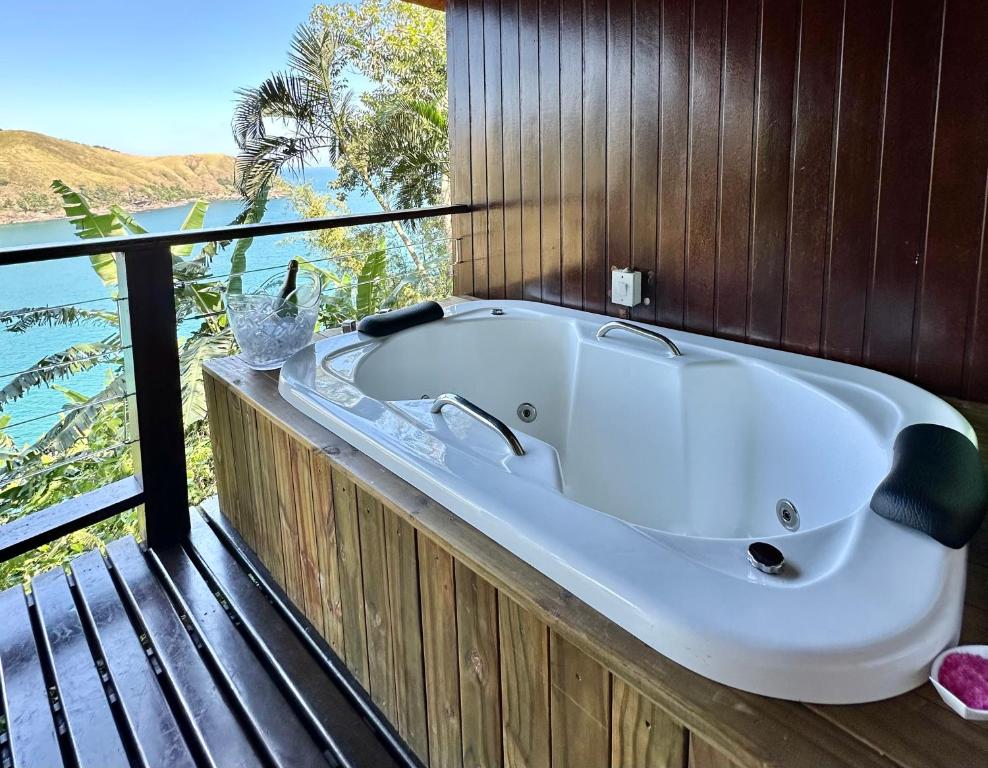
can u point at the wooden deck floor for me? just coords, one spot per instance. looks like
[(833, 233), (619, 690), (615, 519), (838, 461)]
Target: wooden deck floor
[(181, 657)]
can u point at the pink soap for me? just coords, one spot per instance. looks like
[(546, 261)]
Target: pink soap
[(966, 676)]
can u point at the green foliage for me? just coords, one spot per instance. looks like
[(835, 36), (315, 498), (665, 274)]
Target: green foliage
[(365, 271), (389, 142), (75, 359), (88, 446)]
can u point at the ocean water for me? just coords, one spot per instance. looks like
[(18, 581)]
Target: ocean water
[(72, 281)]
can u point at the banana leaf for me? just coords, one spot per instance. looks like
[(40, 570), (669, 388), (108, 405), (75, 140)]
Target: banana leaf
[(76, 359), (90, 225)]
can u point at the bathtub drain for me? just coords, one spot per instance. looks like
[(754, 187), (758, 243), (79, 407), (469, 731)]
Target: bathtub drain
[(527, 412), (787, 514)]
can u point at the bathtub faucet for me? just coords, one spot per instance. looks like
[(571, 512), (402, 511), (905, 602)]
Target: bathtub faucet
[(488, 420), (620, 325)]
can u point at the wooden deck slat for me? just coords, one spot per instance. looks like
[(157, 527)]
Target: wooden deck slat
[(327, 706), (33, 740), (220, 735), (271, 715), (156, 733), (91, 727)]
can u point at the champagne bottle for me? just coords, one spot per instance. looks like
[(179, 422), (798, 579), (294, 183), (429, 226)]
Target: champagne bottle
[(287, 299)]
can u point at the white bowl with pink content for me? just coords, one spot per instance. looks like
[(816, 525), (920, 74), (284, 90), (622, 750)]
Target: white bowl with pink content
[(960, 676)]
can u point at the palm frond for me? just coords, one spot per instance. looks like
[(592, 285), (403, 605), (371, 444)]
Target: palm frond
[(252, 214), (90, 225), (73, 426), (194, 219), (195, 352), (26, 318), (49, 369)]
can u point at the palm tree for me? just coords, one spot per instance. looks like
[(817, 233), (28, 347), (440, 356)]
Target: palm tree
[(390, 142)]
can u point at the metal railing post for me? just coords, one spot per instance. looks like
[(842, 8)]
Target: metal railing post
[(151, 364)]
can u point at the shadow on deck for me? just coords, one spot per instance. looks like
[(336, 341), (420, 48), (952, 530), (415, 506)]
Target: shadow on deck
[(177, 657)]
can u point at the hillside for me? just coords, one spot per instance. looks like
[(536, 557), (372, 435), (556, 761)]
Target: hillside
[(30, 161)]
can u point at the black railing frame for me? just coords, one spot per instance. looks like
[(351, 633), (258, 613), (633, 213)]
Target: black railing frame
[(148, 324)]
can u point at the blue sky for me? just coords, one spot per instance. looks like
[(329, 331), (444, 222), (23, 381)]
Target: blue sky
[(145, 76)]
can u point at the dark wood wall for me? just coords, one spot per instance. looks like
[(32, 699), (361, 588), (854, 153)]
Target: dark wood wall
[(807, 175)]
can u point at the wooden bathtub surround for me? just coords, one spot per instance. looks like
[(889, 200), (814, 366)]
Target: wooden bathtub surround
[(480, 660)]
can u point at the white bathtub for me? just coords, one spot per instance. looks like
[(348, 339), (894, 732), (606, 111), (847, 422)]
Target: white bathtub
[(646, 477)]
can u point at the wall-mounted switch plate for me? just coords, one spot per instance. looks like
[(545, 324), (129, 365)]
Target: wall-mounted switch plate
[(626, 287)]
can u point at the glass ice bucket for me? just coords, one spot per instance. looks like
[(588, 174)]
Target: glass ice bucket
[(270, 329)]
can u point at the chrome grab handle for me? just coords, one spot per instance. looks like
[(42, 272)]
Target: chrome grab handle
[(492, 422), (620, 325)]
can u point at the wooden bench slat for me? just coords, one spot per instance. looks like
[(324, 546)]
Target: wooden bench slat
[(270, 714), (332, 712), (217, 729), (156, 732), (33, 739), (92, 730)]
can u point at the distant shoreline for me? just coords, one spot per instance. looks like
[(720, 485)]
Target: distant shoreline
[(8, 217)]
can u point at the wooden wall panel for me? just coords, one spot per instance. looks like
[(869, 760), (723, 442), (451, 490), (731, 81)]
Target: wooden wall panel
[(524, 686), (351, 577), (810, 175), (642, 735), (480, 671), (549, 138), (580, 707), (403, 584), (440, 654), (377, 604), (324, 517)]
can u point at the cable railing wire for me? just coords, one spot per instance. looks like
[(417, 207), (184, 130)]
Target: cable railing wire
[(64, 412), (276, 267), (9, 478), (109, 355)]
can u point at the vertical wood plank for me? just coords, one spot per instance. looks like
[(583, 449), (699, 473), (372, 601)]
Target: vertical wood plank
[(219, 440), (351, 578), (580, 699), (273, 554), (524, 686), (442, 687), (324, 515), (737, 143), (255, 492), (642, 735), (478, 147), (702, 755), (957, 203), (910, 104), (246, 519), (460, 147), (770, 199), (377, 604), (495, 156), (595, 155), (644, 151), (704, 164), (813, 130), (225, 463), (308, 534), (617, 202), (511, 130), (674, 95), (287, 520), (403, 588), (549, 141), (480, 698), (531, 212), (571, 151), (857, 175)]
